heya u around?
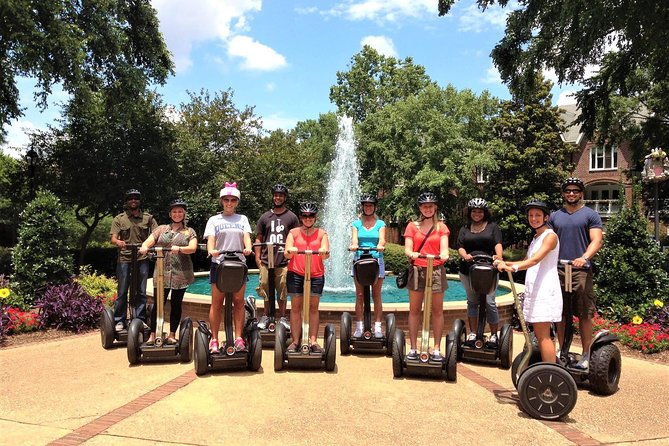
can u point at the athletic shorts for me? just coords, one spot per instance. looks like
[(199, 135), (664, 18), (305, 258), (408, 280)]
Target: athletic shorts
[(295, 284), (417, 279), (279, 282), (582, 297)]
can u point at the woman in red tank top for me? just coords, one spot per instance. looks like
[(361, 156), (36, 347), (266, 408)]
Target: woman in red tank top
[(306, 237)]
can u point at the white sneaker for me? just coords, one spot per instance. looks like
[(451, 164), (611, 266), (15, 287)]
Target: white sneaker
[(584, 363), (263, 322), (377, 331), (283, 321), (471, 338), (358, 332), (119, 326)]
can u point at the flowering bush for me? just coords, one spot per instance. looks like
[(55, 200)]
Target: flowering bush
[(642, 336), (21, 321), (69, 307), (97, 285)]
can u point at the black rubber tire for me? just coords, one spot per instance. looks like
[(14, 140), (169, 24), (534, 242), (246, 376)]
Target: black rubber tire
[(345, 341), (535, 358), (255, 350), (605, 369), (390, 333), (107, 328), (398, 353), (134, 341), (330, 347), (186, 340), (506, 346), (547, 391), (201, 353), (460, 332), (451, 363), (279, 347)]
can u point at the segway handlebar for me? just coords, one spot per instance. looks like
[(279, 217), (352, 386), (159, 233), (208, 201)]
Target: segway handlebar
[(482, 258), (365, 250), (429, 256), (268, 244), (310, 251)]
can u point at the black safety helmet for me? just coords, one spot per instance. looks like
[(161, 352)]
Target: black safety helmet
[(368, 198), (573, 182), (178, 202), (478, 203), (426, 197), (279, 189), (537, 204), (131, 192), (308, 207)]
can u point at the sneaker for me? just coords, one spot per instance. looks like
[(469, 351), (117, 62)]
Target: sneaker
[(213, 346), (119, 326), (492, 341), (412, 354), (358, 332), (436, 356), (377, 331), (584, 363), (284, 321), (471, 338), (264, 320), (240, 346)]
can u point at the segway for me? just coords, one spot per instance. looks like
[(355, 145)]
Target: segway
[(483, 278), (303, 357), (230, 277), (545, 389), (159, 350), (108, 334), (366, 271), (268, 334), (424, 365), (603, 373)]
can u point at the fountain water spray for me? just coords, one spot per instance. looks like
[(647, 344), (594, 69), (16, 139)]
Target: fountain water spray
[(341, 207)]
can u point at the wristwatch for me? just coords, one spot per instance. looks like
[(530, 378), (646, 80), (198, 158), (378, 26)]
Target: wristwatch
[(586, 258)]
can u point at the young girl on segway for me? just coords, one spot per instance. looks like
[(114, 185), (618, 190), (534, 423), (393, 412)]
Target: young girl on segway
[(182, 241), (543, 295), (479, 236), (306, 237), (432, 234), (369, 231), (227, 231)]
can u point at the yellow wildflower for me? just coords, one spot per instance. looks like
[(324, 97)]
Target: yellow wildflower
[(658, 303), (636, 320), (4, 293)]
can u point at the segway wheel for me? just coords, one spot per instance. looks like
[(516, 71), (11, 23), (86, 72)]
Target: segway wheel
[(330, 348), (605, 368), (107, 328), (460, 332), (390, 333), (398, 353), (279, 347), (134, 333), (255, 350), (201, 352), (547, 391), (506, 346), (535, 358), (186, 340), (451, 363), (345, 341)]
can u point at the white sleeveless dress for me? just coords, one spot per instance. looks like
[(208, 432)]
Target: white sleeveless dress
[(543, 295)]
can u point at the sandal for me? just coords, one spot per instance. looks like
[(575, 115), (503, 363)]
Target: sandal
[(170, 341), (316, 348), (292, 348)]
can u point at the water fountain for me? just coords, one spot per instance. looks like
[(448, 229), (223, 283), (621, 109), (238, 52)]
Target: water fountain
[(341, 207)]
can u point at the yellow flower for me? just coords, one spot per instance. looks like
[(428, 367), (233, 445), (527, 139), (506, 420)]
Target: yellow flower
[(658, 303), (636, 320), (4, 293)]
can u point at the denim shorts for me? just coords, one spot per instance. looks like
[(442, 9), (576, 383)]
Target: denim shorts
[(295, 284)]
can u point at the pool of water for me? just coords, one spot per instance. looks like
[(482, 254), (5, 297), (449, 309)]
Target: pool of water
[(390, 292)]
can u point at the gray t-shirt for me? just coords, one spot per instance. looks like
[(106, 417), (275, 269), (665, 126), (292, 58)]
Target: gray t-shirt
[(228, 232), (573, 230)]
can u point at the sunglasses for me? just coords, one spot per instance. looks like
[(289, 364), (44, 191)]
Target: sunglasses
[(308, 215), (229, 200), (572, 191)]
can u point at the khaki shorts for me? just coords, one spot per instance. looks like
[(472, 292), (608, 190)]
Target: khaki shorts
[(279, 282), (417, 279), (582, 297)]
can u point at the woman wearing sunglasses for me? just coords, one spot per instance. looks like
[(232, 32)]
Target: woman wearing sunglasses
[(306, 237)]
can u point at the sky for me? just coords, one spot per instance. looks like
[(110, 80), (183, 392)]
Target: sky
[(282, 57)]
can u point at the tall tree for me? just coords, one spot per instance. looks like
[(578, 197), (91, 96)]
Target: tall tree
[(373, 81), (94, 43)]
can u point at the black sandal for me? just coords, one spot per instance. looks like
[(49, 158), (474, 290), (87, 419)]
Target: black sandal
[(316, 348)]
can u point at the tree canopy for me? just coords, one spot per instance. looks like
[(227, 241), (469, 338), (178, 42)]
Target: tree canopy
[(96, 43)]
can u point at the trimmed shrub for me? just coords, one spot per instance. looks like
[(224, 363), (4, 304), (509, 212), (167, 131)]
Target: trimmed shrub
[(40, 257), (68, 307)]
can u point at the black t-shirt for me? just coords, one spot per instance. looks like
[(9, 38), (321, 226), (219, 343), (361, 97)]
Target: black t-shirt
[(275, 228), (478, 243)]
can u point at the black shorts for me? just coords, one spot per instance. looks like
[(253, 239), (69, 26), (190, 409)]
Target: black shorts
[(295, 284)]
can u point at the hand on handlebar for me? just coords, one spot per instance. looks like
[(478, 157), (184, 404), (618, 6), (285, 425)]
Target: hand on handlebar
[(247, 252), (143, 250)]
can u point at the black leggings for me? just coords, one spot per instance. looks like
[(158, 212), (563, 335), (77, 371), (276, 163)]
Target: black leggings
[(175, 310)]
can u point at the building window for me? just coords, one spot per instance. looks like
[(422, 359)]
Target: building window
[(604, 158)]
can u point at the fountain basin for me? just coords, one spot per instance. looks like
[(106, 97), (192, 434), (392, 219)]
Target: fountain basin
[(196, 306)]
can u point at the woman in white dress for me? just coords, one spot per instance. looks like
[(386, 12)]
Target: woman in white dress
[(543, 298)]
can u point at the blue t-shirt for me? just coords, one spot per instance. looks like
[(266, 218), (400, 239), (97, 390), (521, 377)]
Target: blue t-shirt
[(368, 238), (573, 230)]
